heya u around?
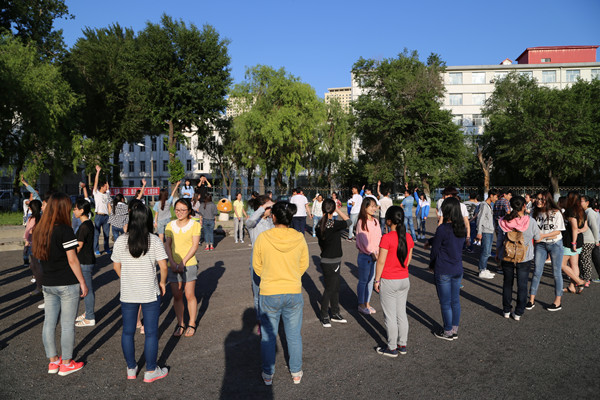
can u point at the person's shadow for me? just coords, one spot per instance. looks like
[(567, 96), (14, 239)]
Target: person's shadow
[(242, 377)]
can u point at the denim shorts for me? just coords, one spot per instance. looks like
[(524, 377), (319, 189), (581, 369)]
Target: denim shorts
[(189, 274), (162, 225), (569, 252)]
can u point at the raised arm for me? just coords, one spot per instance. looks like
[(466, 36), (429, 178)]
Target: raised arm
[(175, 189), (379, 189), (139, 196), (98, 169)]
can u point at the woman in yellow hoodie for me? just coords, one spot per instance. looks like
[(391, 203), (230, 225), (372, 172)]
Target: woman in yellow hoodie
[(280, 258)]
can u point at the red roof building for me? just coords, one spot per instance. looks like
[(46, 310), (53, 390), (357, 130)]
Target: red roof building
[(558, 54)]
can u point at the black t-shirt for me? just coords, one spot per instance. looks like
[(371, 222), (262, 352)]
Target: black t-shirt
[(567, 233), (331, 239), (85, 234), (56, 270), (202, 190)]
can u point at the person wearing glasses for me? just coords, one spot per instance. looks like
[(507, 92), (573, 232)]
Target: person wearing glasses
[(550, 221), (182, 241)]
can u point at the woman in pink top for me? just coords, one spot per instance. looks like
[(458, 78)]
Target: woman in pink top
[(368, 236)]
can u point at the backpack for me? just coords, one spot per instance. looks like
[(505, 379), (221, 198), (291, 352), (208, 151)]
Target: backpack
[(514, 246)]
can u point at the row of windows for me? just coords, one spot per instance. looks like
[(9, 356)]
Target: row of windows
[(132, 183), (165, 166), (477, 99), (456, 78), (142, 147), (475, 120)]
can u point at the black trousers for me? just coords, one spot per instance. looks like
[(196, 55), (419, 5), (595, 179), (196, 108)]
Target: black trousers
[(331, 294)]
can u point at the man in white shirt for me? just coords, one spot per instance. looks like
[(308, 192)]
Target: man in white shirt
[(301, 202), (102, 201), (452, 192), (356, 202), (385, 202)]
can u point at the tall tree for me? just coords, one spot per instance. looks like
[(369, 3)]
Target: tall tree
[(279, 121), (36, 102), (32, 21), (535, 131), (98, 68), (181, 74), (400, 123)]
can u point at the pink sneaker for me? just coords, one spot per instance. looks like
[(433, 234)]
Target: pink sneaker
[(66, 369), (53, 367)]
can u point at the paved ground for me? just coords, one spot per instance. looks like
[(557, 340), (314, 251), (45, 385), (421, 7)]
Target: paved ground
[(545, 355)]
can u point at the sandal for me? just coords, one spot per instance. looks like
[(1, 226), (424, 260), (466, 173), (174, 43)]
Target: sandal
[(187, 331), (579, 288), (567, 290), (179, 328)]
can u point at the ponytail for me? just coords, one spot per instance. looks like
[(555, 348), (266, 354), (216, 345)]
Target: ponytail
[(395, 215)]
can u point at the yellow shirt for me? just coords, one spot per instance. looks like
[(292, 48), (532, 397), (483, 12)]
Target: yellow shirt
[(238, 207), (182, 239), (280, 258)]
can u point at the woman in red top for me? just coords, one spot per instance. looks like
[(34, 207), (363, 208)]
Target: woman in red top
[(391, 281)]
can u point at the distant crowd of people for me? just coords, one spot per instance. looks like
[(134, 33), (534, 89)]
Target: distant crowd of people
[(62, 243)]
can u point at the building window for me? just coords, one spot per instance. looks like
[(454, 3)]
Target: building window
[(131, 147), (154, 165), (546, 60), (131, 166), (478, 120), (595, 74), (142, 146), (457, 119), (153, 144), (201, 165), (188, 165), (500, 75), (456, 99), (165, 148), (165, 165), (548, 76), (131, 183), (178, 146), (528, 74), (120, 165), (165, 183), (478, 77), (142, 166), (572, 75), (478, 99), (455, 78)]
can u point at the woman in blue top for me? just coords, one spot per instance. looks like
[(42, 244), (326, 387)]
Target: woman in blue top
[(407, 205), (446, 261), (422, 213)]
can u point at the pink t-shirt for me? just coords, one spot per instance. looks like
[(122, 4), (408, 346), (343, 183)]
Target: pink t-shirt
[(367, 240)]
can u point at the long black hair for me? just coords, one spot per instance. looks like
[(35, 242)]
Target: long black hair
[(284, 212), (163, 196), (328, 208), (516, 203), (363, 215), (36, 210), (395, 215), (139, 229), (84, 205), (452, 213)]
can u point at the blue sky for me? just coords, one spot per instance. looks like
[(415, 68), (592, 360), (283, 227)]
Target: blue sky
[(319, 41)]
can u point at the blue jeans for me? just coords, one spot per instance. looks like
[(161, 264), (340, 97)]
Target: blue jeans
[(289, 308), (354, 219), (299, 224), (556, 255), (409, 225), (366, 275), (315, 223), (448, 291), (486, 250), (75, 223), (384, 227), (508, 270), (473, 226), (101, 222), (117, 232), (89, 300), (421, 225), (208, 230), (151, 311), (63, 300)]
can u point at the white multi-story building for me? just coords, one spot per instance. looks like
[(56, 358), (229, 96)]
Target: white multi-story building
[(468, 87)]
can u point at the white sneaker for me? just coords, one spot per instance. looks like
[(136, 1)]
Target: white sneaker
[(32, 280), (236, 241), (515, 316), (485, 274), (506, 315), (241, 241), (41, 306)]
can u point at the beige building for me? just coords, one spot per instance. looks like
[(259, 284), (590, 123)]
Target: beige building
[(343, 95)]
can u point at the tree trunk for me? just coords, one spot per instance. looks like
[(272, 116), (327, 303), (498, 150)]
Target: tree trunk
[(171, 144), (279, 179), (261, 182), (485, 167), (426, 188), (554, 185)]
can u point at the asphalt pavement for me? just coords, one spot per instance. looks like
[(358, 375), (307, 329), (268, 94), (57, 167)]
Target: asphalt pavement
[(545, 355)]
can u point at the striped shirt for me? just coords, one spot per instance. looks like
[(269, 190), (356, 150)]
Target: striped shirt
[(138, 275)]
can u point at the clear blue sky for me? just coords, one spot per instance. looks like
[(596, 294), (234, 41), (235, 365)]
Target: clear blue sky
[(319, 41)]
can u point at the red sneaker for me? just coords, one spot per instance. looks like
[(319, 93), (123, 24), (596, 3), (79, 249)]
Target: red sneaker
[(53, 367), (66, 369)]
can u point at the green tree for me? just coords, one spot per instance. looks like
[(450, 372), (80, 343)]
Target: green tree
[(181, 74), (534, 131), (98, 68), (32, 21), (279, 121), (403, 130), (36, 104)]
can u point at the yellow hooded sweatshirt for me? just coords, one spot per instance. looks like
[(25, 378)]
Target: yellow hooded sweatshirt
[(280, 258)]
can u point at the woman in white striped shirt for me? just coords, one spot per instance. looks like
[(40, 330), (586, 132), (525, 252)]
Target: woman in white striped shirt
[(135, 255)]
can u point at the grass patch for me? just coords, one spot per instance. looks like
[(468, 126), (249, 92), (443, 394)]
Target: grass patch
[(11, 218)]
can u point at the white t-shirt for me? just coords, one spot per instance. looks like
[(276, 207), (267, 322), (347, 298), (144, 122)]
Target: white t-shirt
[(101, 200), (138, 275), (356, 202), (463, 209), (549, 223), (300, 201), (385, 203)]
